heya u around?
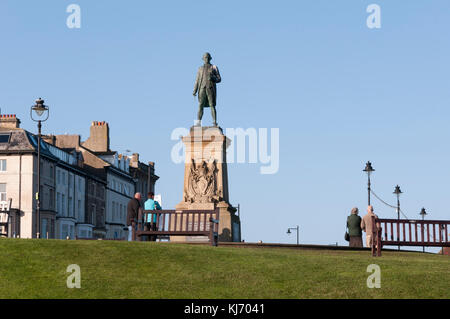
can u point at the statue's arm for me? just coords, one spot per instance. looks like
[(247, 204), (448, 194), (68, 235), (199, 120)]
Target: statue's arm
[(216, 74), (197, 80)]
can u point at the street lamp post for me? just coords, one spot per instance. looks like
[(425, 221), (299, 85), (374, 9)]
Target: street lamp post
[(41, 113), (293, 228), (398, 192), (423, 213), (368, 169)]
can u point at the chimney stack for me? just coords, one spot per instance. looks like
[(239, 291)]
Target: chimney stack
[(9, 121), (134, 160), (98, 140)]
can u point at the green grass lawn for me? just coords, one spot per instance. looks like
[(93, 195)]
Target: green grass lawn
[(111, 269)]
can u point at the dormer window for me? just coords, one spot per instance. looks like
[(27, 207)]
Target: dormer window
[(4, 138)]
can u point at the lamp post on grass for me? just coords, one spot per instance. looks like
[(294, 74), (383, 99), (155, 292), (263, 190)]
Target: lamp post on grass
[(398, 192), (293, 228), (41, 113), (423, 213), (368, 169)]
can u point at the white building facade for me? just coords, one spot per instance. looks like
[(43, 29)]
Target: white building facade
[(62, 187), (119, 191), (84, 187)]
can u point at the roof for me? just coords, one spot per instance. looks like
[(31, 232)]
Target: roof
[(18, 141), (21, 141)]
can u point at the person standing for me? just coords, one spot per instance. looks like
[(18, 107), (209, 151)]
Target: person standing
[(133, 208), (366, 225), (152, 204), (354, 228)]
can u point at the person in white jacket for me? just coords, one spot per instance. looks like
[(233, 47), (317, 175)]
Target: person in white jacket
[(366, 225)]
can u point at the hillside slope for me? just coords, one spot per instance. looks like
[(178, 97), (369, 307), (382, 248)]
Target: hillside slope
[(109, 269)]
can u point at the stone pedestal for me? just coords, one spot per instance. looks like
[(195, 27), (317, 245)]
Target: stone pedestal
[(206, 180)]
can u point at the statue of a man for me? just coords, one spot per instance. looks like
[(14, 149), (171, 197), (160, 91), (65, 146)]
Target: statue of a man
[(205, 84)]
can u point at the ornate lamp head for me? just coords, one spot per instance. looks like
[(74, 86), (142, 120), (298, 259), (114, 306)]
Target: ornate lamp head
[(368, 169), (423, 212), (41, 111), (397, 191)]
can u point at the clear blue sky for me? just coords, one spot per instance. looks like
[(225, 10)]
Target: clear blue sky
[(340, 93)]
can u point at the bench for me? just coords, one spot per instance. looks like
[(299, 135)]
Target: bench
[(406, 232), (179, 223)]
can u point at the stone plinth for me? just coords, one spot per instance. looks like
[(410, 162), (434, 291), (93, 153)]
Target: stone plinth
[(206, 179)]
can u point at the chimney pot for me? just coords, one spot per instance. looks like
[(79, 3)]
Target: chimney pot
[(9, 121)]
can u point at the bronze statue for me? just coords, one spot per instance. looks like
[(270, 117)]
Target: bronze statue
[(205, 84)]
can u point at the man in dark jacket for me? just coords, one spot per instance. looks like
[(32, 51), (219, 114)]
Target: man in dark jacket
[(133, 208), (354, 228)]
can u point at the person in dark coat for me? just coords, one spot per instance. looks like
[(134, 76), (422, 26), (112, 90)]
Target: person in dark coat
[(354, 228), (133, 208)]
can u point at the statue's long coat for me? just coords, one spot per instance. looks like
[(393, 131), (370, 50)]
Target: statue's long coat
[(207, 77)]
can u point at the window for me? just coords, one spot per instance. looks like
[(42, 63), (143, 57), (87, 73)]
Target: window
[(58, 202), (44, 228), (4, 138), (3, 192), (3, 165), (63, 200), (102, 219), (58, 177), (70, 207), (51, 198), (70, 181), (71, 232), (51, 171), (52, 228), (79, 208), (93, 213), (65, 231)]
